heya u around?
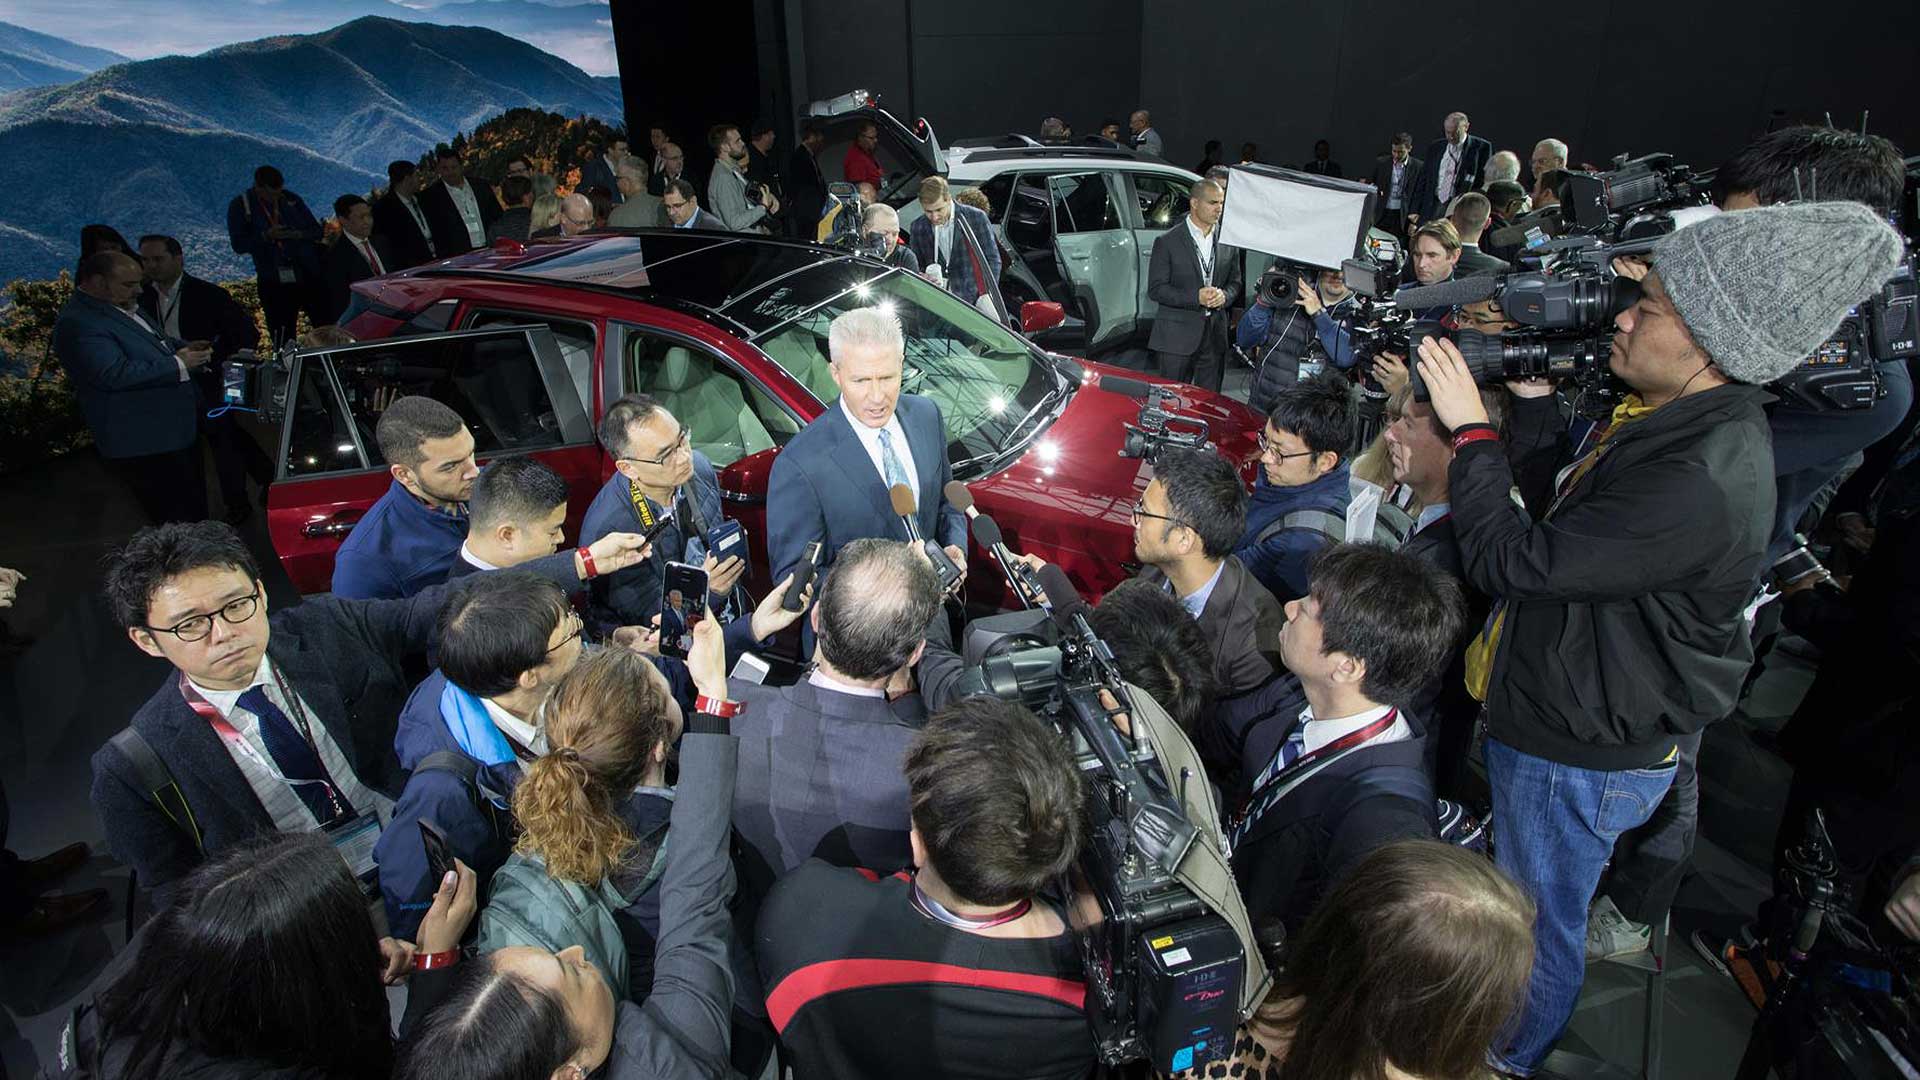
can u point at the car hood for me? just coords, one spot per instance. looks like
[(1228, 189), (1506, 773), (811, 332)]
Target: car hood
[(1074, 464)]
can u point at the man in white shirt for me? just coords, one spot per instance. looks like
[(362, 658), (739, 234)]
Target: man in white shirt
[(459, 210), (1195, 282), (1334, 762)]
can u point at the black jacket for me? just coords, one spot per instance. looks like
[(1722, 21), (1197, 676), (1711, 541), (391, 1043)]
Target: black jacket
[(1242, 622), (450, 236), (806, 192), (207, 313), (395, 223), (342, 265), (1181, 325), (1623, 619)]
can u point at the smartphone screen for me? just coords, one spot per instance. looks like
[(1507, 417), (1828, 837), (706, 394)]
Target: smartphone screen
[(688, 585), (439, 856)]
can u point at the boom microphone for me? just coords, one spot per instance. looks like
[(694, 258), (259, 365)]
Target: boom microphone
[(1137, 389), (1448, 293), (986, 530), (902, 498), (1062, 598)]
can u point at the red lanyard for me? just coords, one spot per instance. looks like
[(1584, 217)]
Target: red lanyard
[(1345, 742), (933, 909), (206, 710)]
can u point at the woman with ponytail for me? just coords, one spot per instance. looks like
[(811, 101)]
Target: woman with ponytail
[(547, 1007)]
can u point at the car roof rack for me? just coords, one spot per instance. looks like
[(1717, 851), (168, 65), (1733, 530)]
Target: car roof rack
[(1037, 150)]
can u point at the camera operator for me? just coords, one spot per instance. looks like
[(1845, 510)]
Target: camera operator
[(741, 206), (1303, 484), (1334, 762), (1620, 622), (1184, 527), (960, 968), (1276, 330), (880, 228)]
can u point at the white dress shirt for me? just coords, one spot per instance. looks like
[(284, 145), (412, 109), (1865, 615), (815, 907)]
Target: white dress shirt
[(166, 304), (870, 440), (372, 257), (1449, 173), (469, 208), (475, 561), (1203, 244), (943, 241), (1318, 733), (1396, 193), (827, 682), (282, 804), (141, 321), (512, 726)]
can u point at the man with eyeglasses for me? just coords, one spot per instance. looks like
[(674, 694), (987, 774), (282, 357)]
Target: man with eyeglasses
[(1184, 527), (682, 208), (657, 474), (1299, 501), (283, 723)]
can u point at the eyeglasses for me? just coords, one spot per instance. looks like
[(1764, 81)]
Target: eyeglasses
[(199, 626), (679, 444), (1140, 511), (574, 633), (1273, 449)]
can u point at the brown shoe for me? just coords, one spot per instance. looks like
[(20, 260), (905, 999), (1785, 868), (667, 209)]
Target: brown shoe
[(38, 874), (51, 914)]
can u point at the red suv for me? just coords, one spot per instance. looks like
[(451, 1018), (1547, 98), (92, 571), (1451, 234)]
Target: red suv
[(730, 333)]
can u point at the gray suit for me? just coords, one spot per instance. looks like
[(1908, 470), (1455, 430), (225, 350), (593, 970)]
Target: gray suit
[(640, 211), (1242, 622), (1190, 341)]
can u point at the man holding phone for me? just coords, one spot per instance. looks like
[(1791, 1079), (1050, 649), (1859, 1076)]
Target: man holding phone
[(661, 487)]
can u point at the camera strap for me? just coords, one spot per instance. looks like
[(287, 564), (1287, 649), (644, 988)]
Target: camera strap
[(1302, 768)]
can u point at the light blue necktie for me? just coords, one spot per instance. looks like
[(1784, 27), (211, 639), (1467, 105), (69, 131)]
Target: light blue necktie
[(890, 466)]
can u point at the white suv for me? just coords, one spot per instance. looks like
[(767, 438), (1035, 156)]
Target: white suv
[(1075, 223)]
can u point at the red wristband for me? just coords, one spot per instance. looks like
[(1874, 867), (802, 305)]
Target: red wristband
[(427, 961), (586, 562), (1472, 435), (718, 706)]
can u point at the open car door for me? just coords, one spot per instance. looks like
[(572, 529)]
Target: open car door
[(1095, 247), (510, 384), (908, 153)]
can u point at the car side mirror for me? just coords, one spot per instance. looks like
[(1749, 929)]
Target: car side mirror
[(1039, 315)]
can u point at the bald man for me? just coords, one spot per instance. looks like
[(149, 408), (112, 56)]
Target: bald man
[(1144, 139), (133, 387)]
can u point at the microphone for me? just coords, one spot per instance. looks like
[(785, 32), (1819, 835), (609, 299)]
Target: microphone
[(1063, 600), (1448, 293), (902, 498), (1137, 389), (987, 531)]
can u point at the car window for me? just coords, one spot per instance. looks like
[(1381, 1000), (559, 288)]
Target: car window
[(1083, 203), (984, 377), (728, 415), (1163, 199), (492, 381), (998, 190), (575, 340), (1030, 214)]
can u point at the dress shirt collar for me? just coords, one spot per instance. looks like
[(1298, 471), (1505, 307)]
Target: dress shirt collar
[(1431, 514), (475, 561), (1318, 733), (1201, 240), (1197, 602), (510, 725), (871, 436), (226, 700), (824, 681)]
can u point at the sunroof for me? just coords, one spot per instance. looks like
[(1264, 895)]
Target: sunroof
[(699, 268)]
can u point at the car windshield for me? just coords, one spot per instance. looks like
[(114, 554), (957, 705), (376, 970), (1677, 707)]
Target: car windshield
[(989, 383)]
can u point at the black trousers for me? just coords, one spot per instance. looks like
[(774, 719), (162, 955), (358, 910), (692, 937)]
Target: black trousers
[(1205, 368), (282, 305), (237, 457), (170, 486)]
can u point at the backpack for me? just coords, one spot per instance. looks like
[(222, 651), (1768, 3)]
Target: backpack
[(1457, 824), (490, 803), (528, 906), (1391, 526)]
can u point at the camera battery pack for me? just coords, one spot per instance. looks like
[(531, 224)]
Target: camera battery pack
[(1190, 975)]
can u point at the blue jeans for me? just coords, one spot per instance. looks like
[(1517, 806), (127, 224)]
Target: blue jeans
[(1553, 828)]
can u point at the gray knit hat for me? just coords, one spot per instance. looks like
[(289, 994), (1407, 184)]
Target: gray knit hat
[(1760, 289)]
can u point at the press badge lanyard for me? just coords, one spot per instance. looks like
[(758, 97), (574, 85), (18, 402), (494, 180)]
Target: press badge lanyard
[(932, 909), (206, 711), (1303, 766)]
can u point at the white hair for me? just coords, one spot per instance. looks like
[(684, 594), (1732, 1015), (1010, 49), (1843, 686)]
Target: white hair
[(866, 328), (1559, 148), (880, 213), (1504, 165)]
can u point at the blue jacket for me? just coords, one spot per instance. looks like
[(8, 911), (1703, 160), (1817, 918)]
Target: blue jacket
[(127, 380), (824, 487), (247, 229), (1327, 326), (481, 839), (631, 597), (400, 547), (1281, 561)]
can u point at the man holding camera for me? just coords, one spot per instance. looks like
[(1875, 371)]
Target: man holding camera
[(1288, 311), (880, 229), (741, 206), (1619, 627)]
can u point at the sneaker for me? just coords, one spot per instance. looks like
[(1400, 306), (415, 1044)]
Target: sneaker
[(1611, 935)]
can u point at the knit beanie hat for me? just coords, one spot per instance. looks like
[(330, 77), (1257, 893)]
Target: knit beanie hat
[(1760, 289)]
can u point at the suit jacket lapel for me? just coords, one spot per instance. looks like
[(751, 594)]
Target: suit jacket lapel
[(928, 452), (191, 746), (850, 454), (307, 675)]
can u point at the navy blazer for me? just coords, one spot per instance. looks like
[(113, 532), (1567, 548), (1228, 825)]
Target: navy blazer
[(344, 658), (824, 487), (247, 233), (126, 378), (959, 266), (1425, 197), (632, 596)]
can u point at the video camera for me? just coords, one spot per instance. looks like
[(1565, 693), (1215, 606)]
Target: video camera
[(1167, 968), (1157, 426)]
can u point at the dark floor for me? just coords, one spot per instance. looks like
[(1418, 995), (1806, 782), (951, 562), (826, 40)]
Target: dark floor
[(82, 679)]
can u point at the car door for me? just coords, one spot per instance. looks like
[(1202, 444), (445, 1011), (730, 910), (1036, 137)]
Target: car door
[(510, 384), (1160, 203), (908, 153), (1096, 250)]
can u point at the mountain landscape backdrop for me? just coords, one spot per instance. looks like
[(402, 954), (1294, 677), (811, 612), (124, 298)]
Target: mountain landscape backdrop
[(162, 145)]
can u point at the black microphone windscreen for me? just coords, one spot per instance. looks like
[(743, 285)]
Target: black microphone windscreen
[(1448, 293), (986, 530), (1062, 597), (958, 496), (902, 498), (1136, 389)]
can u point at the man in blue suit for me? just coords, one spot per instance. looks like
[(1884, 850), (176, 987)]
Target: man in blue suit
[(134, 389), (831, 482), (940, 236)]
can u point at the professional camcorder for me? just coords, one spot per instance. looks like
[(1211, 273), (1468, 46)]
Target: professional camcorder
[(1168, 951), (1157, 426)]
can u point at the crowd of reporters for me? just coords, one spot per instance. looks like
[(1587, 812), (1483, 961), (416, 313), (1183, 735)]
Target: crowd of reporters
[(475, 769)]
